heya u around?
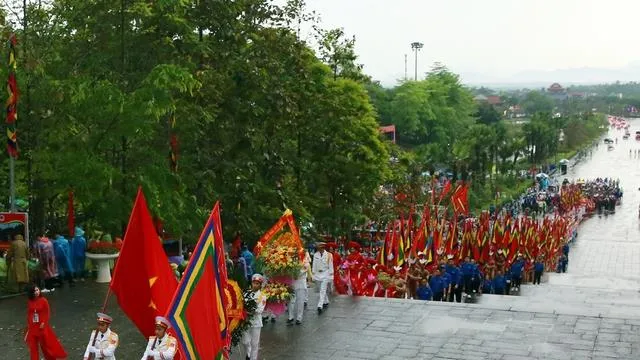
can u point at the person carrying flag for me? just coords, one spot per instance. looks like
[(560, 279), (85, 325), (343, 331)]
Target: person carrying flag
[(162, 346), (103, 342)]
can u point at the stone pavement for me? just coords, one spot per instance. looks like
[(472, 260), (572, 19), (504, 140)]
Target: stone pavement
[(404, 329)]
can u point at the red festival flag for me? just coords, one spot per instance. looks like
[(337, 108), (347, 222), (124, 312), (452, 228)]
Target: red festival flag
[(71, 218), (459, 199), (142, 279), (198, 309)]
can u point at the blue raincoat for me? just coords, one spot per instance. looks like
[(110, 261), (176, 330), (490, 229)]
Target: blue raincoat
[(62, 250), (78, 252)]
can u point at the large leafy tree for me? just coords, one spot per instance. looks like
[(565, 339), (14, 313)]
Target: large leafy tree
[(262, 124)]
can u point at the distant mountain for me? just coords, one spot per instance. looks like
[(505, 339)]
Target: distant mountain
[(539, 78)]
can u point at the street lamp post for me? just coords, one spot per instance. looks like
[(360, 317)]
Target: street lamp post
[(416, 46)]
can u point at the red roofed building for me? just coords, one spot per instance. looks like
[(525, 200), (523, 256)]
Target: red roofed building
[(494, 100), (390, 131)]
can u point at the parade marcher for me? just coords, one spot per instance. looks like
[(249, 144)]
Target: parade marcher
[(538, 269), (39, 334), (500, 284), (516, 272), (507, 279), (162, 346), (47, 259), (103, 342), (251, 339), (456, 279), (307, 258), (414, 275), (424, 291), (437, 285), (487, 285), (447, 282), (321, 270), (467, 270), (78, 253), (296, 303), (17, 262), (62, 250)]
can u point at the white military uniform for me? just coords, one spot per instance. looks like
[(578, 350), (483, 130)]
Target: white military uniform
[(105, 346), (296, 304), (322, 269), (251, 339), (165, 349)]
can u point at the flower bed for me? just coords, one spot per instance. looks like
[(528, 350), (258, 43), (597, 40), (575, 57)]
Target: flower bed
[(102, 247)]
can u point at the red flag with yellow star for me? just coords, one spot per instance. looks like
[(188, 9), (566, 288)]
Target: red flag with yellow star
[(143, 280)]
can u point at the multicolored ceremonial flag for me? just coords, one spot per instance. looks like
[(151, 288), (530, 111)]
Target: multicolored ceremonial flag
[(198, 309), (12, 100), (279, 233)]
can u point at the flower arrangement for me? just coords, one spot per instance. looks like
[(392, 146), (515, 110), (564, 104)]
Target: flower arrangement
[(277, 292), (103, 247), (280, 260), (384, 279)]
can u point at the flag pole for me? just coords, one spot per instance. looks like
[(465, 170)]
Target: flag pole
[(12, 183)]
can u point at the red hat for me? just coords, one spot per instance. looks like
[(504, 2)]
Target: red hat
[(331, 245), (354, 245), (371, 261)]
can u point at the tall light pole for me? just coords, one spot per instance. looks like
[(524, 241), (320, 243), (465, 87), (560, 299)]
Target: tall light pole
[(405, 69), (416, 46)]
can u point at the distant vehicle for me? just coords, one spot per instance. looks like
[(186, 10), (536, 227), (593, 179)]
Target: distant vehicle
[(608, 141)]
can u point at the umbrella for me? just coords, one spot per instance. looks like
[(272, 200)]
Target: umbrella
[(564, 161), (542, 175)]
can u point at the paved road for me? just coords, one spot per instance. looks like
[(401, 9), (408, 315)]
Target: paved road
[(592, 312)]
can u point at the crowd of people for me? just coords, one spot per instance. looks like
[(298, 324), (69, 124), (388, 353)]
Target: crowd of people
[(48, 262)]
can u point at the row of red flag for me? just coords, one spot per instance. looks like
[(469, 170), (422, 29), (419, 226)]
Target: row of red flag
[(480, 238), (146, 287)]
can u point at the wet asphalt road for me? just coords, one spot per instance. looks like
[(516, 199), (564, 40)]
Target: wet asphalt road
[(607, 255)]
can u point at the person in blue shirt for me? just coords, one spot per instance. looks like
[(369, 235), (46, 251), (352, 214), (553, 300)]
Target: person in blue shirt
[(78, 253), (487, 285), (516, 272), (248, 259), (562, 263), (456, 279), (446, 280), (538, 269), (424, 291), (437, 285), (499, 284), (62, 252), (467, 270), (565, 249), (507, 280), (476, 278)]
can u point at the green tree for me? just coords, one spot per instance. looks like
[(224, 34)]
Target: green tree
[(535, 102)]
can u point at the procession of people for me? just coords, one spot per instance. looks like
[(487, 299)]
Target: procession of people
[(441, 258)]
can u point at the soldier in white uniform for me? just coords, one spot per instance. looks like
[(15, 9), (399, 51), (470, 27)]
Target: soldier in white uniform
[(162, 346), (307, 258), (103, 342), (296, 304), (251, 339), (321, 270)]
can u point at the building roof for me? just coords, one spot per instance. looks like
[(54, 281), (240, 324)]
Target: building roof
[(494, 100), (555, 87), (480, 98)]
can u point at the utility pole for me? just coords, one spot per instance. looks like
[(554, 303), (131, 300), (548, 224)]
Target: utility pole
[(405, 67), (416, 46)]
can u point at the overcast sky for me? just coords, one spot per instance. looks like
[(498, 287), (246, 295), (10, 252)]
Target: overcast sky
[(487, 40)]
